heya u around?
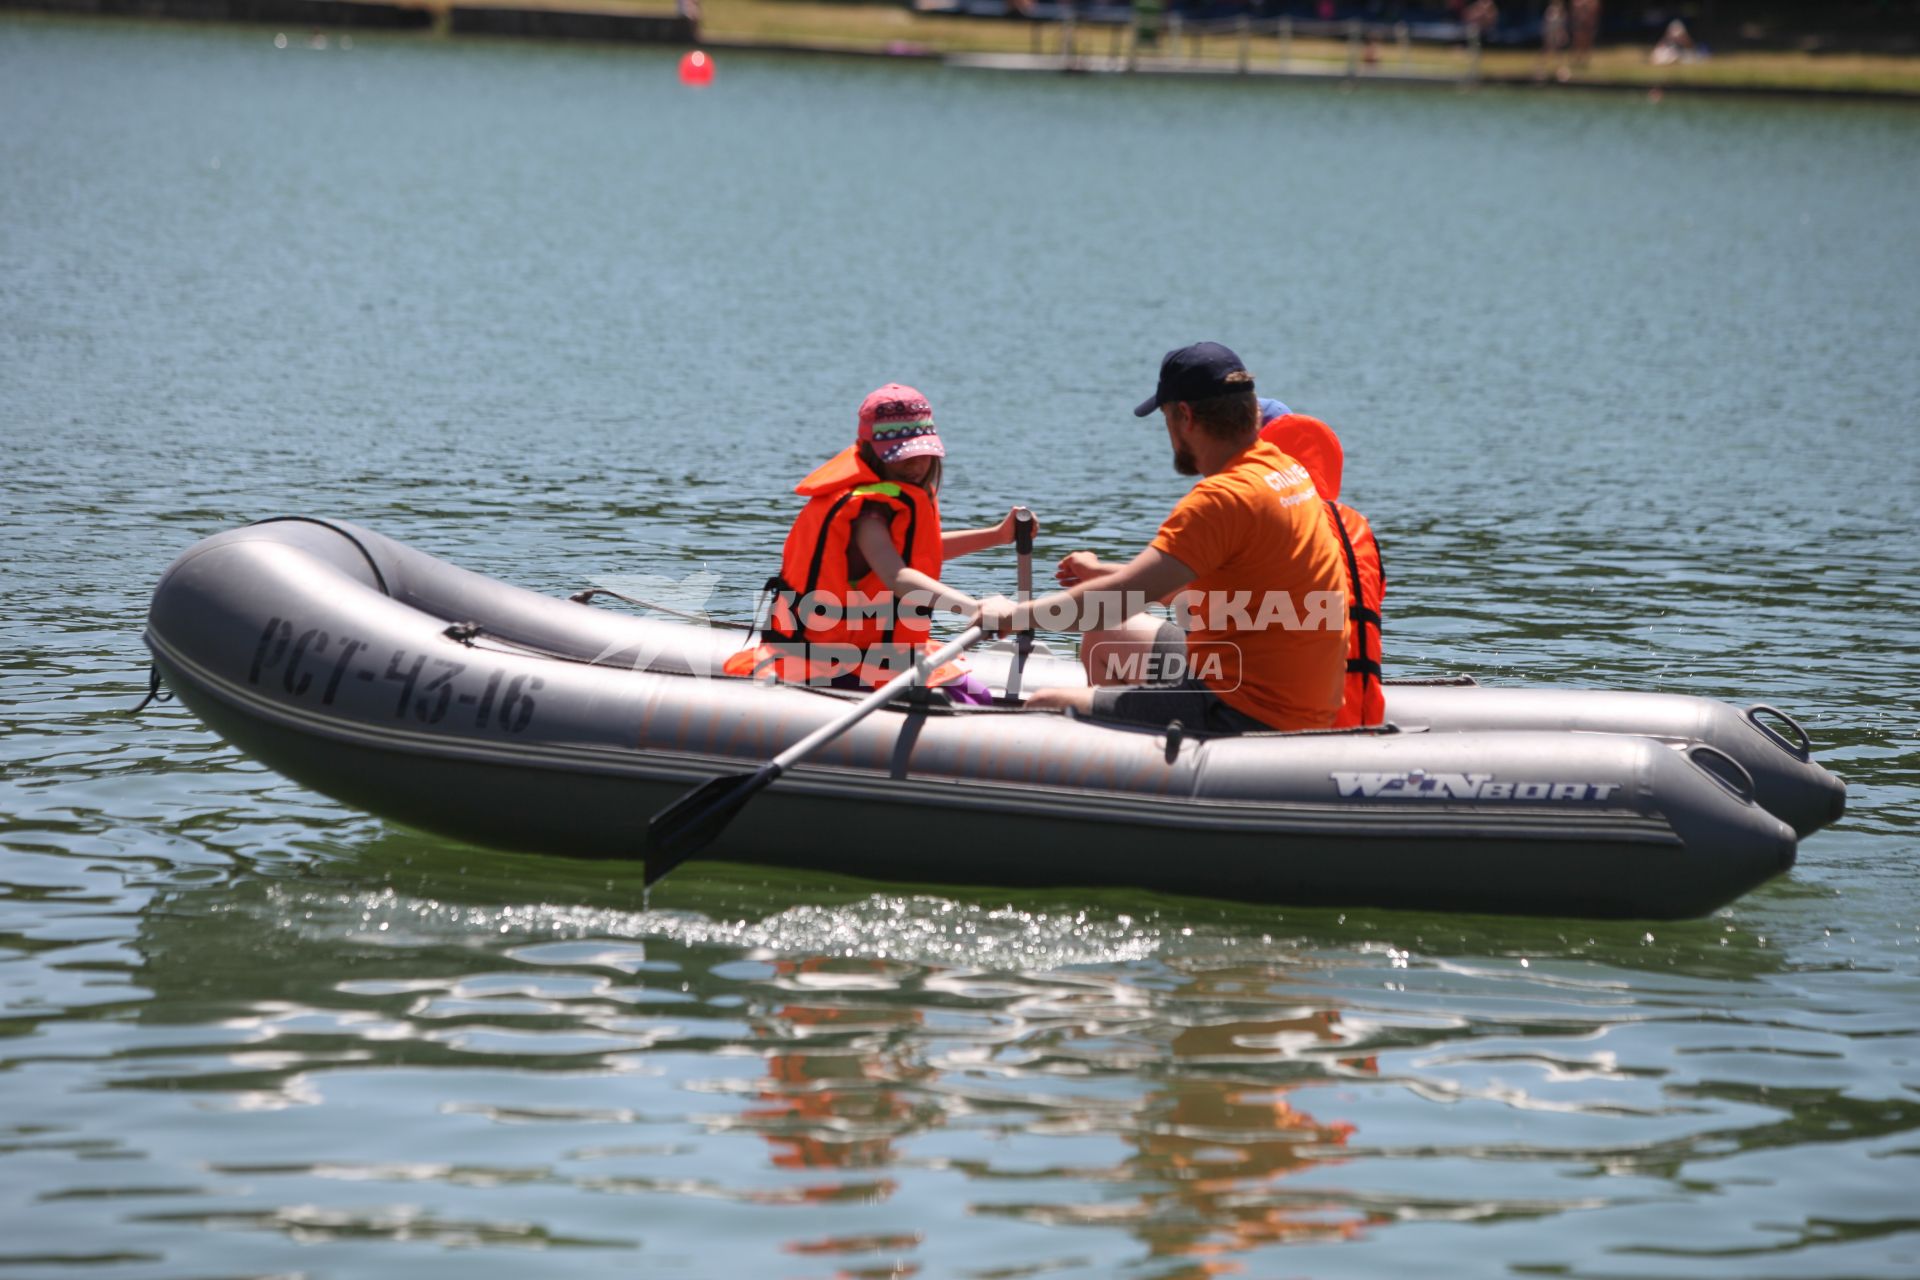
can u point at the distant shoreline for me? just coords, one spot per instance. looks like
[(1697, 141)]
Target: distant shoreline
[(1012, 46), (610, 23)]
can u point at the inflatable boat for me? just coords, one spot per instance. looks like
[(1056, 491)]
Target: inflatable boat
[(446, 700)]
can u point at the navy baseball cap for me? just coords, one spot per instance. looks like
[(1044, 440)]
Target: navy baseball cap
[(1198, 372)]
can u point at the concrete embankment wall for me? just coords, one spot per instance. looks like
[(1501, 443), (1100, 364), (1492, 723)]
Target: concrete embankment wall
[(488, 20)]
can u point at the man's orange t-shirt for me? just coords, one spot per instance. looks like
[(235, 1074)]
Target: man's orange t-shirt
[(1268, 631)]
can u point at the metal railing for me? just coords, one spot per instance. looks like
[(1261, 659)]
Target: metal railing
[(1183, 41)]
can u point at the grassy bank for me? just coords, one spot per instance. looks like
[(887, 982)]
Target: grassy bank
[(878, 27)]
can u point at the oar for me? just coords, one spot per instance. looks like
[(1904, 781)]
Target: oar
[(696, 819), (1023, 592)]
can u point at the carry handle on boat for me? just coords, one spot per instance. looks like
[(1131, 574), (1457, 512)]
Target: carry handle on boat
[(1801, 749), (1723, 769), (696, 819), (1023, 592)]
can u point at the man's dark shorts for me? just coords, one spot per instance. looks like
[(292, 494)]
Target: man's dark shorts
[(1189, 700)]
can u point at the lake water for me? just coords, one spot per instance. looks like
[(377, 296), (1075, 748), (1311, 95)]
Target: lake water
[(1629, 390)]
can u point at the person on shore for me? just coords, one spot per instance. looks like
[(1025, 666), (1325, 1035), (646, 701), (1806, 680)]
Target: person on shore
[(1674, 46), (1251, 555), (1479, 18), (860, 569), (1313, 444), (1553, 41), (1586, 29)]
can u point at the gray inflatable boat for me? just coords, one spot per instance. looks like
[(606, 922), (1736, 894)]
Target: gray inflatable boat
[(449, 701)]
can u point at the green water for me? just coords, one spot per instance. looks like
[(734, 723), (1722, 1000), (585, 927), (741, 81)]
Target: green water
[(1629, 390)]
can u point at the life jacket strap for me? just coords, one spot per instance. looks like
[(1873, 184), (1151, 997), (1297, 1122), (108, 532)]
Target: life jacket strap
[(820, 547), (1365, 666), (913, 527), (766, 608)]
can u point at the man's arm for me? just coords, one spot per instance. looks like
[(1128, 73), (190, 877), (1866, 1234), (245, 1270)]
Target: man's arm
[(1084, 566), (1092, 603)]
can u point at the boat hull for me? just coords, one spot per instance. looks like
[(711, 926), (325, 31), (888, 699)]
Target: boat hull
[(538, 724)]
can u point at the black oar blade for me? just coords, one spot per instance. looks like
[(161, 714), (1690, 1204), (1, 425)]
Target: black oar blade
[(696, 819)]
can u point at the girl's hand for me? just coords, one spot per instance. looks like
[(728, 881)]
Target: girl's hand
[(1005, 527)]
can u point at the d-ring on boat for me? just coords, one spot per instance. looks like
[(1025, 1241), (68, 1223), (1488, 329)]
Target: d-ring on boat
[(440, 698)]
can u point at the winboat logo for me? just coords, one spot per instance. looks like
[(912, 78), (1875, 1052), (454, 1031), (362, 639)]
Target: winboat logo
[(1418, 784)]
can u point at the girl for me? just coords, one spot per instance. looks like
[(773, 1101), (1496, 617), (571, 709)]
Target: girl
[(860, 571)]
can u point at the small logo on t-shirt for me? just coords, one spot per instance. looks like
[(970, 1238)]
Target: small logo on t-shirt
[(1287, 479), (1296, 478)]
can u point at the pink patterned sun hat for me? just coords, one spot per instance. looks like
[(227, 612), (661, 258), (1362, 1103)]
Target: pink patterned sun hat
[(898, 422)]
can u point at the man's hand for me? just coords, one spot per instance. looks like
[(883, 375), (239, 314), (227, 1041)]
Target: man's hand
[(995, 615), (1081, 566)]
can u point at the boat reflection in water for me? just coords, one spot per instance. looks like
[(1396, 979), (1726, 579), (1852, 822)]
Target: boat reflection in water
[(1173, 1088), (1220, 1143), (837, 1087), (1225, 1119)]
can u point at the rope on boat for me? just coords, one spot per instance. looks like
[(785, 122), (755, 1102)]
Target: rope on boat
[(155, 692), (586, 597)]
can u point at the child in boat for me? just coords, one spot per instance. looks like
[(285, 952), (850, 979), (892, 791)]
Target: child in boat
[(860, 572), (1313, 444)]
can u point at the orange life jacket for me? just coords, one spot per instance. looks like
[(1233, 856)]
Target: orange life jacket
[(825, 625), (1314, 445), (1364, 701)]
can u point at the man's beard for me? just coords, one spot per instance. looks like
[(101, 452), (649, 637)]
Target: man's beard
[(1184, 463)]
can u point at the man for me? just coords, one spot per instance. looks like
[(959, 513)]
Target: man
[(1251, 555)]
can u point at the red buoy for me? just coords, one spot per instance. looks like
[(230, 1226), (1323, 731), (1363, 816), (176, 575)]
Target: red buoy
[(696, 69)]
